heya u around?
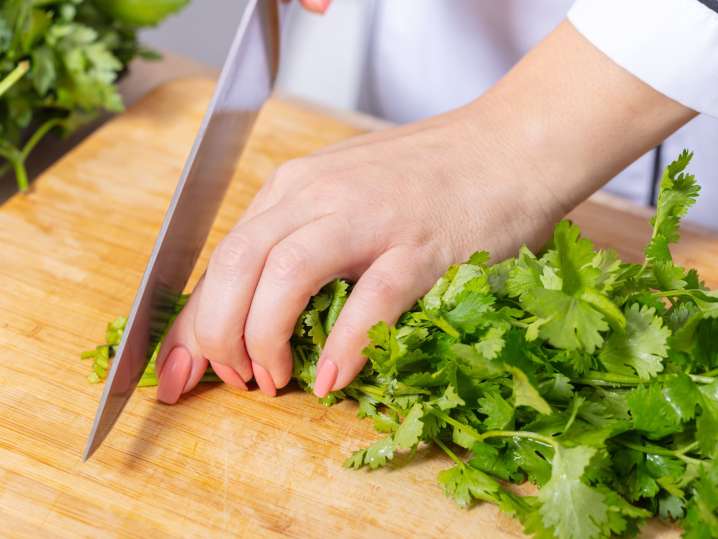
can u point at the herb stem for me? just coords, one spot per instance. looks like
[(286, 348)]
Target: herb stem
[(481, 436), (467, 429), (449, 452), (607, 379), (23, 182), (524, 322), (14, 76), (38, 135), (15, 158), (678, 453), (675, 293), (687, 449), (535, 436), (401, 391), (374, 391)]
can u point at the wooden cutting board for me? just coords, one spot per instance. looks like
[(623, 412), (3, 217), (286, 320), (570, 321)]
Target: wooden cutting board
[(224, 463)]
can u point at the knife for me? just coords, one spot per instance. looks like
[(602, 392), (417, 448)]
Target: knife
[(246, 82)]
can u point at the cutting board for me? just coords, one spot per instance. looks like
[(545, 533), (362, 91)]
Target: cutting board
[(223, 463)]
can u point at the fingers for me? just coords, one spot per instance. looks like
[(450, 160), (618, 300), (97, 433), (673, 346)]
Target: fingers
[(316, 6), (385, 291), (230, 281), (180, 363), (295, 270)]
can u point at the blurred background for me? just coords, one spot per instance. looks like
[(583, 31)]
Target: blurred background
[(195, 42), (203, 32), (329, 60)]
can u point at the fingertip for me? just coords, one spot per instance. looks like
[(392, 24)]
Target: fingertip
[(199, 367), (244, 367), (229, 376), (174, 375), (326, 378), (264, 380), (281, 371)]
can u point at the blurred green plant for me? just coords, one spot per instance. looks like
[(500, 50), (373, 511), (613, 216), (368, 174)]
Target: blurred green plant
[(59, 64)]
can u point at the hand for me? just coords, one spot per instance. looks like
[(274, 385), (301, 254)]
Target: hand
[(392, 210), (316, 6)]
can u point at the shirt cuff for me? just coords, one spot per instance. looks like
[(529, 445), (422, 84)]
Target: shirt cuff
[(672, 45)]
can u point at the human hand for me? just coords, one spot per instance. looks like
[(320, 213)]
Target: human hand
[(392, 210)]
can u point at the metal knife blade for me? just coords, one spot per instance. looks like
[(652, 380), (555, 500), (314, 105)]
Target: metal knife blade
[(246, 81)]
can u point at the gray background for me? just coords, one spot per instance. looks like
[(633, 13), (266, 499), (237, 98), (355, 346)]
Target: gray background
[(203, 31)]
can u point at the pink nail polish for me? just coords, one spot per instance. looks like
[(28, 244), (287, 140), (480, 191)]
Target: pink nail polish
[(326, 377), (264, 380), (229, 376), (174, 375), (318, 6)]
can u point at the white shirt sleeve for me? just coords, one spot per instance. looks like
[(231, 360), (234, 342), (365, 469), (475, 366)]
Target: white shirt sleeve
[(672, 45)]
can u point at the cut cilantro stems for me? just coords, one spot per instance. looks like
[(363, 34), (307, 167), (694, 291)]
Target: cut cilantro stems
[(594, 379)]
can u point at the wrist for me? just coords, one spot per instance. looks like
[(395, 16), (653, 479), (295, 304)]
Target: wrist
[(571, 119)]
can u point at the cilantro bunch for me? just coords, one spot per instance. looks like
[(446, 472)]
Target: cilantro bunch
[(59, 61), (595, 380)]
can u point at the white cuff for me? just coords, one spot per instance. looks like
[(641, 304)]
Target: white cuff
[(672, 45)]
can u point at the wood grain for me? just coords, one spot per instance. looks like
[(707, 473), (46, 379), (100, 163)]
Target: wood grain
[(224, 463)]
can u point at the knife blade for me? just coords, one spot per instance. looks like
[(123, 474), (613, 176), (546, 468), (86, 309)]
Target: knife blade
[(246, 81)]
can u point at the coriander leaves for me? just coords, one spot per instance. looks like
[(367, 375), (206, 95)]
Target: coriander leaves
[(59, 62), (594, 379)]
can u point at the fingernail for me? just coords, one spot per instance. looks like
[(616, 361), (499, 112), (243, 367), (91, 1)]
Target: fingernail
[(229, 376), (174, 375), (318, 6), (264, 380), (326, 377)]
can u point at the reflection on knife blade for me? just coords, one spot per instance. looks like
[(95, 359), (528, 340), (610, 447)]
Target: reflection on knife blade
[(245, 84)]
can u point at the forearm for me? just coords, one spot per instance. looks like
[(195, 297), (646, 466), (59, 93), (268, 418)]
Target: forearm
[(572, 119)]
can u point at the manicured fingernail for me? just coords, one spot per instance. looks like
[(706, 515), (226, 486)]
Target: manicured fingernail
[(229, 376), (326, 377), (245, 372), (174, 375), (264, 380), (319, 6), (194, 375)]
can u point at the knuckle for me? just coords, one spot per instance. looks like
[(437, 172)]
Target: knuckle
[(234, 251), (379, 284), (291, 172), (216, 343), (346, 332), (255, 335), (326, 197), (287, 262), (210, 340)]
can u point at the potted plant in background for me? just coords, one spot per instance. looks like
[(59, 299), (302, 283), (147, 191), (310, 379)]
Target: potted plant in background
[(59, 64)]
